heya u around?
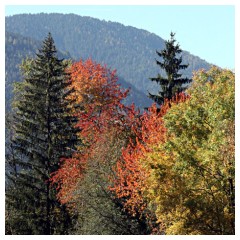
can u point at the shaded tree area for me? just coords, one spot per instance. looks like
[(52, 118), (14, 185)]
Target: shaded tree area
[(42, 132), (17, 48)]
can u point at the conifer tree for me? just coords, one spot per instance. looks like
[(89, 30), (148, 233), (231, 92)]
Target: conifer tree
[(173, 82), (43, 133)]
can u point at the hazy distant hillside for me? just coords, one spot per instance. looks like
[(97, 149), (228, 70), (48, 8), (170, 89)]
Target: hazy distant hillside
[(129, 50), (19, 47)]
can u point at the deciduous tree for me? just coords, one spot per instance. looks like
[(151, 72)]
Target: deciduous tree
[(84, 179), (132, 173), (191, 185)]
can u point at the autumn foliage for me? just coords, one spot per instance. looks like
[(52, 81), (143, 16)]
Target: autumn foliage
[(191, 181), (98, 95), (179, 171), (98, 98), (171, 168), (132, 175)]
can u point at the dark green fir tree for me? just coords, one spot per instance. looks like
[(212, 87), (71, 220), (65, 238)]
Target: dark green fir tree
[(172, 64), (42, 133)]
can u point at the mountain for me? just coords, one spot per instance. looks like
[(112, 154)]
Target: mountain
[(130, 50), (18, 47)]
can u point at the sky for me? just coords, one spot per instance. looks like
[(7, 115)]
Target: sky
[(207, 31)]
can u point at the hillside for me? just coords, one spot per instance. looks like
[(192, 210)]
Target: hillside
[(19, 47), (16, 48), (129, 50)]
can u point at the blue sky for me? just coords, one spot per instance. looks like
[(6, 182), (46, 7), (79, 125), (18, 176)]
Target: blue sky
[(204, 30)]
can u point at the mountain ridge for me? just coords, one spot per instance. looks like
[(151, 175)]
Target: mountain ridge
[(29, 47), (129, 50)]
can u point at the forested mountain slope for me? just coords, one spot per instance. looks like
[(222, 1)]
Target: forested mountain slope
[(18, 47), (130, 50)]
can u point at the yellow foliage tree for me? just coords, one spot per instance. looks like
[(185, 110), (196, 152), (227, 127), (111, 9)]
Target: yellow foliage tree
[(191, 185)]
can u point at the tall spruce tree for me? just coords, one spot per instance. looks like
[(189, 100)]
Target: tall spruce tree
[(173, 82), (43, 132)]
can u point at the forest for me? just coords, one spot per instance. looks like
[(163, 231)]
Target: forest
[(82, 161)]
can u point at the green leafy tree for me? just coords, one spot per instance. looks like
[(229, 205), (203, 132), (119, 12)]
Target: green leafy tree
[(43, 133), (172, 64), (99, 212)]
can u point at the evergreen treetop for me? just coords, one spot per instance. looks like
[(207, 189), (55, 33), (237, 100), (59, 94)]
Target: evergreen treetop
[(171, 62)]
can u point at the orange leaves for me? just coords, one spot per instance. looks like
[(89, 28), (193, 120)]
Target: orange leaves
[(149, 131), (67, 176), (106, 124), (98, 95), (98, 98), (95, 85)]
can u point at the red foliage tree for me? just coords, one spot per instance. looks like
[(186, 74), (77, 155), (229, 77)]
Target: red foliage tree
[(98, 97), (131, 174)]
